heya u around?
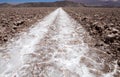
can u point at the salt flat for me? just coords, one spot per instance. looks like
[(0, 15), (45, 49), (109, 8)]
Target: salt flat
[(54, 47)]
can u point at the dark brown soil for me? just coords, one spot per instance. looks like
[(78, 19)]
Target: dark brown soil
[(103, 24), (14, 20)]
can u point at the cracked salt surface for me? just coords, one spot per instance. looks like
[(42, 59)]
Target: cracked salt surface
[(55, 47)]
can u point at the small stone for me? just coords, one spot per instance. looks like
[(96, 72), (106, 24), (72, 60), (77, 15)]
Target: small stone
[(110, 35), (118, 63), (19, 22)]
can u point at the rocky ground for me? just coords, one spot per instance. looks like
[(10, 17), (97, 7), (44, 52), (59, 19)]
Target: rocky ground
[(56, 46), (103, 24), (14, 20)]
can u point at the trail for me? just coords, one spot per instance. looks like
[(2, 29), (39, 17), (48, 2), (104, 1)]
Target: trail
[(55, 47)]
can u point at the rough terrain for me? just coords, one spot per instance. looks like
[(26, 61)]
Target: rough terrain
[(16, 20), (56, 46), (103, 24)]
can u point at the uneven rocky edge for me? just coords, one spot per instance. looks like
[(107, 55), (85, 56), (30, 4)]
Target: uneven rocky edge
[(15, 20), (103, 24)]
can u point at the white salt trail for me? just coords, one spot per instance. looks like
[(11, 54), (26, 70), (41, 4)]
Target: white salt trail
[(73, 53), (24, 44)]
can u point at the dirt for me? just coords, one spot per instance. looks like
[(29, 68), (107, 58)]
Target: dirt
[(60, 33), (15, 20), (103, 24)]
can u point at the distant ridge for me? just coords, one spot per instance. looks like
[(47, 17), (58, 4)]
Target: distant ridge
[(64, 4), (44, 4), (99, 3), (5, 5)]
